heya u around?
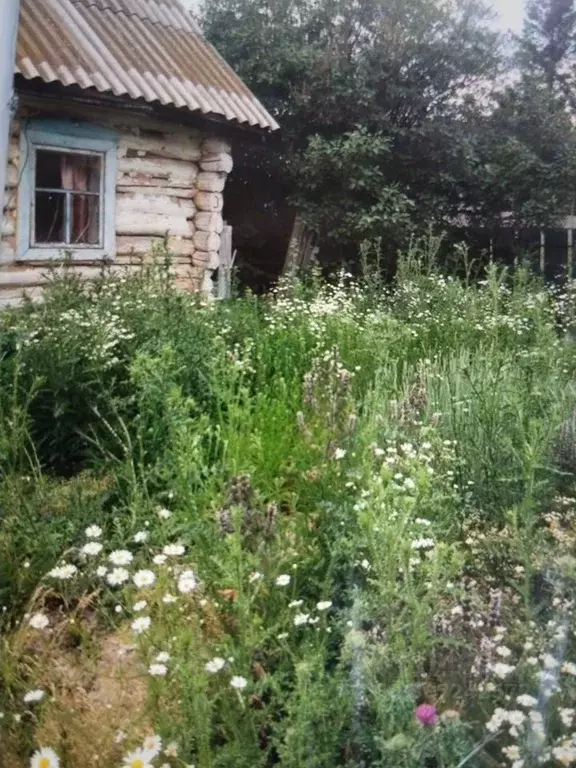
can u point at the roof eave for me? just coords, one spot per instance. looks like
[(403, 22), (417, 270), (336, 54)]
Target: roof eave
[(37, 89)]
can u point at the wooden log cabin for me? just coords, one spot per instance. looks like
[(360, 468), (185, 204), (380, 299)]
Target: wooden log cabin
[(123, 127)]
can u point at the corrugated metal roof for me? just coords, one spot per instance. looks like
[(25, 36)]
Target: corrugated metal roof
[(144, 49)]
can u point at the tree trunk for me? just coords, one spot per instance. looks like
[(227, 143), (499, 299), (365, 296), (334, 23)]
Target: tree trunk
[(302, 247)]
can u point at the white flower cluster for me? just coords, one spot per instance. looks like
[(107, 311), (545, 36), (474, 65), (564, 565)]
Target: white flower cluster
[(217, 664)]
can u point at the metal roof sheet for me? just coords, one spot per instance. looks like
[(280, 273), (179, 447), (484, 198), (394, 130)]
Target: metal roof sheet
[(143, 49)]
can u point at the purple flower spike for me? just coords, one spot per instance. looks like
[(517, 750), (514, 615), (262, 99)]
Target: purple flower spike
[(427, 715)]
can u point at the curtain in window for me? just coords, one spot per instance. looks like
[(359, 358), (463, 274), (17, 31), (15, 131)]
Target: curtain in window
[(76, 176)]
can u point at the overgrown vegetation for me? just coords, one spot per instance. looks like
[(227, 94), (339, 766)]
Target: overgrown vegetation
[(332, 527)]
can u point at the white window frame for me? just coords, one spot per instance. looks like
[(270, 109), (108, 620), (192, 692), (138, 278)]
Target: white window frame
[(71, 137)]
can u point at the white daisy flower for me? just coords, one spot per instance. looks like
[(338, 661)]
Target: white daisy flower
[(158, 670), (300, 619), (174, 550), (164, 514), (121, 557), (283, 580), (141, 537), (141, 624), (93, 532), (92, 549), (502, 670), (63, 572), (567, 716), (118, 576), (187, 582), (144, 578), (163, 657), (159, 559), (238, 682), (45, 758), (340, 453), (168, 599), (525, 700), (140, 605), (33, 696), (215, 665), (101, 571), (39, 621), (516, 717), (423, 543), (153, 744), (295, 603), (324, 605), (139, 758)]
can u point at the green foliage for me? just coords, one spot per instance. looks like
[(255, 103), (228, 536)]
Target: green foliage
[(369, 96), (356, 168), (393, 113), (547, 45), (342, 499)]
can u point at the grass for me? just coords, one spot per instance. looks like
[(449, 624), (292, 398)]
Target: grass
[(315, 511)]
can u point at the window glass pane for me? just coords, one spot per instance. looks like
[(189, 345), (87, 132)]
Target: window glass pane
[(64, 170), (49, 217), (85, 212)]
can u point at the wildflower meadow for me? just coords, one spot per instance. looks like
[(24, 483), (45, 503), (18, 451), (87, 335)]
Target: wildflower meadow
[(333, 526)]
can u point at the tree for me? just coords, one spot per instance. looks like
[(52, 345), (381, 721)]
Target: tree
[(391, 115), (548, 44), (524, 163), (368, 94), (525, 146)]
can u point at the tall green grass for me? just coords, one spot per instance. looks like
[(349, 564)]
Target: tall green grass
[(395, 451)]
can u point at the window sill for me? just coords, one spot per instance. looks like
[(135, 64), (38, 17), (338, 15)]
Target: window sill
[(62, 255)]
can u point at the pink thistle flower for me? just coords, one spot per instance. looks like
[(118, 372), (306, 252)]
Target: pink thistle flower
[(427, 715)]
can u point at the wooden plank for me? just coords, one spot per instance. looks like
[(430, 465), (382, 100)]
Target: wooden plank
[(8, 295), (185, 193), (143, 246), (12, 176), (209, 222), (7, 250), (131, 222), (207, 241), (224, 285), (209, 201), (156, 205), (211, 182), (118, 118), (214, 145), (176, 146), (145, 172), (217, 163), (17, 276), (8, 225)]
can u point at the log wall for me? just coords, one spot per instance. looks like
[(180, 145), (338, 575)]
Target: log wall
[(170, 184)]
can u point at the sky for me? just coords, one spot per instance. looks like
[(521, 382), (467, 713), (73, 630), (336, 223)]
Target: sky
[(510, 12)]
